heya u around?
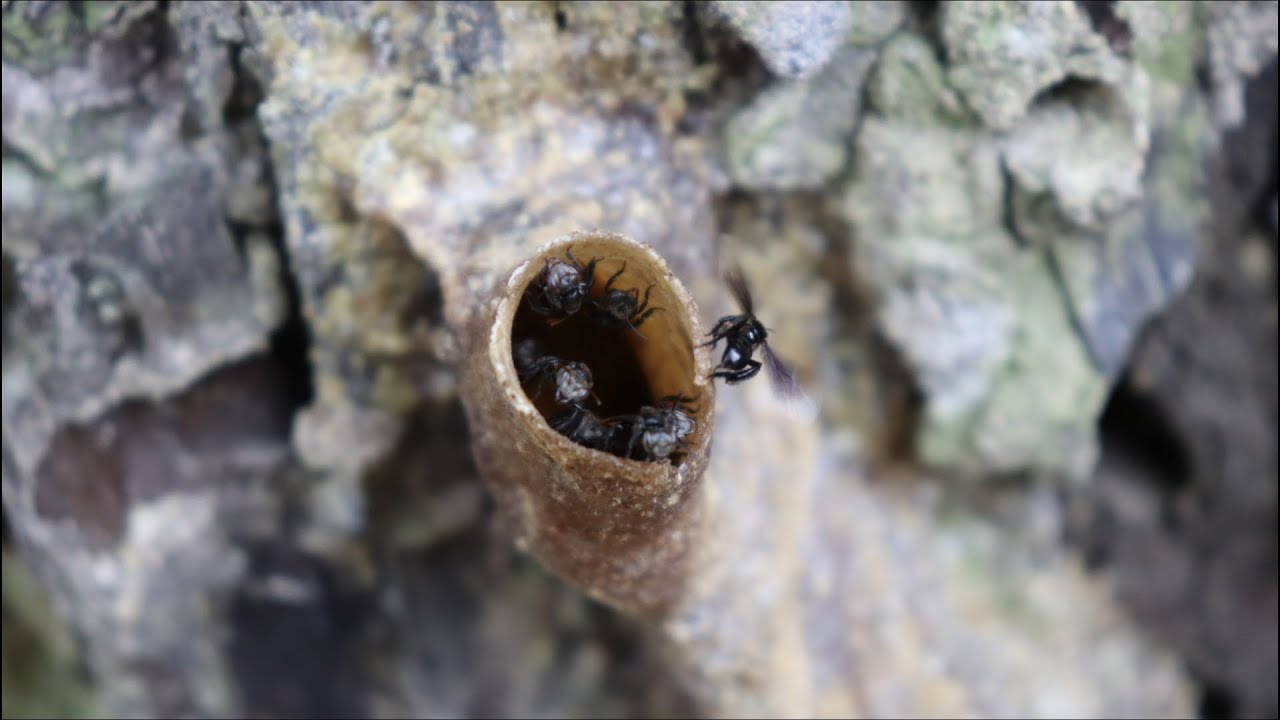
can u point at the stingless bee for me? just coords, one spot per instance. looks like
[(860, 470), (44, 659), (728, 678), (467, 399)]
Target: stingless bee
[(623, 309), (744, 334), (586, 428), (572, 379), (659, 432), (562, 287)]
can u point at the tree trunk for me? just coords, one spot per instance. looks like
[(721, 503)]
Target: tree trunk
[(249, 248)]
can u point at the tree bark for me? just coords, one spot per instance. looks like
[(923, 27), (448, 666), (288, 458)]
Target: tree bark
[(246, 244)]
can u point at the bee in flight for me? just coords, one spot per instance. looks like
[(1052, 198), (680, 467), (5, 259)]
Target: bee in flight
[(743, 335)]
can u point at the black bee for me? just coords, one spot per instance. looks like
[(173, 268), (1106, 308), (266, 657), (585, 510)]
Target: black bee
[(562, 287), (525, 352), (572, 379), (585, 428), (623, 309), (659, 432), (743, 334)]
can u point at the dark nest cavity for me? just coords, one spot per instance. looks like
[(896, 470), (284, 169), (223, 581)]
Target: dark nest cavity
[(639, 405)]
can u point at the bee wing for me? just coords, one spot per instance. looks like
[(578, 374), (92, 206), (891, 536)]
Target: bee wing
[(797, 402), (737, 283)]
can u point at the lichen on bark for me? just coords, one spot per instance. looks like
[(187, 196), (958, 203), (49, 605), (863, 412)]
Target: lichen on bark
[(244, 268)]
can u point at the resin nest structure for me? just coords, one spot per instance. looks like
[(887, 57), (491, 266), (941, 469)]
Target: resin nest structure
[(592, 414)]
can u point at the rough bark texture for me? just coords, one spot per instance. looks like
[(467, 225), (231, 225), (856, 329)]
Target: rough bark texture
[(1182, 510), (245, 242)]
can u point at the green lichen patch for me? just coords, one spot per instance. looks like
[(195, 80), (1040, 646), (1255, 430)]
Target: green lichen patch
[(1166, 38), (1085, 150), (922, 180), (1002, 54), (910, 86), (1039, 412), (38, 671), (874, 21), (796, 135)]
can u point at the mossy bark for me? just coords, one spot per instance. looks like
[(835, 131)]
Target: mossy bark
[(246, 246)]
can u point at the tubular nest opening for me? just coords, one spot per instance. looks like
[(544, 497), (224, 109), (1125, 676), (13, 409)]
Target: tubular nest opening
[(632, 369)]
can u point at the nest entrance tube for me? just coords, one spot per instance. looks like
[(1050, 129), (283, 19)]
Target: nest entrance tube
[(622, 529), (631, 367), (618, 379)]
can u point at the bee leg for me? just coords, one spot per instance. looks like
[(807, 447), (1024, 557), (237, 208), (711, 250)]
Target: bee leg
[(645, 315), (609, 283), (722, 328), (637, 332), (589, 274), (674, 400), (635, 435), (645, 303), (734, 377), (537, 304)]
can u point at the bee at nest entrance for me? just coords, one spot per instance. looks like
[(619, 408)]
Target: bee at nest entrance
[(580, 340)]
